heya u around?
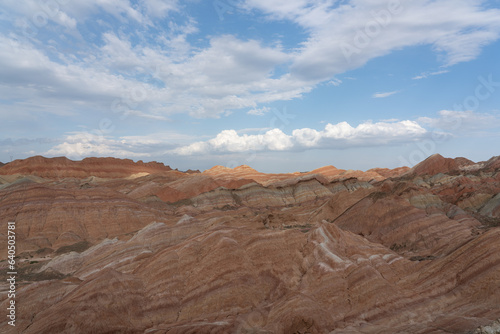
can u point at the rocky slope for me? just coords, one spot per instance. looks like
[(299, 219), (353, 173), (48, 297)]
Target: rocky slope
[(113, 246)]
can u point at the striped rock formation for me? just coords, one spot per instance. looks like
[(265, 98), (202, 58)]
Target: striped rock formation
[(113, 246)]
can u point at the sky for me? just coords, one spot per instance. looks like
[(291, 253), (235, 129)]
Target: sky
[(281, 85)]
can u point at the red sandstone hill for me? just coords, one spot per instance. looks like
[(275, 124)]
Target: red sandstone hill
[(438, 164), (62, 167), (111, 246)]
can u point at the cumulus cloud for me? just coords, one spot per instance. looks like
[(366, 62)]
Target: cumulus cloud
[(228, 141), (333, 136), (338, 136)]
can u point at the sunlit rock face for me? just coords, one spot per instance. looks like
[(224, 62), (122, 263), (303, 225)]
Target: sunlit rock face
[(114, 246)]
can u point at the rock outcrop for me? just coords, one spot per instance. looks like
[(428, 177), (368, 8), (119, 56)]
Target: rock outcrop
[(113, 246), (436, 164)]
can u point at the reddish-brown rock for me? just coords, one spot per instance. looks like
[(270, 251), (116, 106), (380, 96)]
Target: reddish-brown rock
[(63, 167), (438, 164), (112, 246)]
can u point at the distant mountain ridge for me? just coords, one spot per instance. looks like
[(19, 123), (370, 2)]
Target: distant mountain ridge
[(61, 167), (436, 164)]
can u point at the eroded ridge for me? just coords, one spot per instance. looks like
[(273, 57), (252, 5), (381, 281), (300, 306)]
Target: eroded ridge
[(114, 246)]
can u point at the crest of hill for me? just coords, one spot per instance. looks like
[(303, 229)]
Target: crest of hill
[(62, 167), (225, 174), (492, 164), (436, 164), (218, 170), (327, 171), (333, 173), (386, 172)]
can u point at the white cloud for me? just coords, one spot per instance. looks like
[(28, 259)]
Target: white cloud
[(145, 115), (341, 135), (63, 19), (230, 74), (386, 94), (117, 8), (249, 130), (159, 8), (228, 141), (82, 144), (335, 82), (96, 143), (462, 122), (232, 61), (160, 139), (333, 136), (157, 75), (69, 13), (425, 75), (259, 111), (346, 35), (32, 75)]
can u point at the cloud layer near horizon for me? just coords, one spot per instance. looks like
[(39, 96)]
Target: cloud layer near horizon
[(333, 136)]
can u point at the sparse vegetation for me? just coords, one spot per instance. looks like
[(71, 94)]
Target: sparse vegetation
[(77, 247), (397, 247), (422, 258)]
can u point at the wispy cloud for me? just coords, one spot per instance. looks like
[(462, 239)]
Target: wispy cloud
[(259, 111), (225, 72), (335, 82), (456, 30), (462, 122), (425, 75), (386, 94)]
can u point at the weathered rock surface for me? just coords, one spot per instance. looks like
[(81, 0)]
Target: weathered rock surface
[(63, 167), (493, 328), (113, 246), (436, 164)]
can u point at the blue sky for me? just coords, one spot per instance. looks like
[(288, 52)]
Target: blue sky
[(282, 86)]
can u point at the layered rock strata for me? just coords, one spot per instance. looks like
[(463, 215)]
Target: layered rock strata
[(105, 249)]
